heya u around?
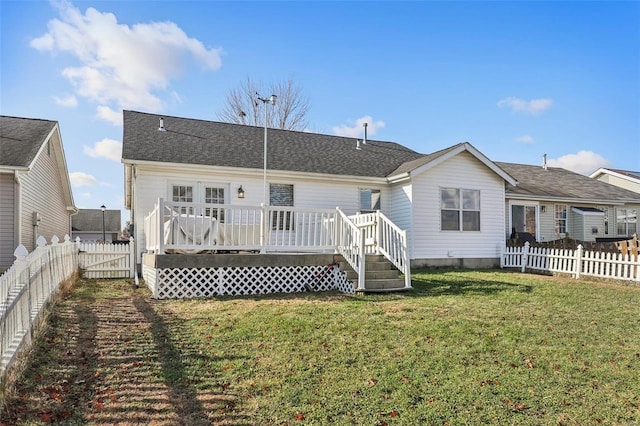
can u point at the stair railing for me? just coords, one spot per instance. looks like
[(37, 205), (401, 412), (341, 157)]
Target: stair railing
[(391, 241), (350, 242)]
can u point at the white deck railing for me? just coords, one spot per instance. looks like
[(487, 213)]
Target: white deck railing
[(575, 262), (180, 227)]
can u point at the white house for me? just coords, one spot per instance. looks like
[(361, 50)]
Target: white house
[(451, 202), (35, 191)]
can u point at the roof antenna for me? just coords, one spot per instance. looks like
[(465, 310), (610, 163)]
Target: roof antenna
[(161, 128), (544, 161), (364, 142)]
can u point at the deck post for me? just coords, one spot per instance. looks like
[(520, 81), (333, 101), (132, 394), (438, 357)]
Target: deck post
[(361, 264), (263, 228), (378, 232), (160, 226), (406, 261)]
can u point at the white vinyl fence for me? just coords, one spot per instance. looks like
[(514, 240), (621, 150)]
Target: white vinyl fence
[(25, 289), (106, 260), (578, 262)]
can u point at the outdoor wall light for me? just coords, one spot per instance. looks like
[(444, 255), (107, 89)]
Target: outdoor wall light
[(543, 209), (240, 192)]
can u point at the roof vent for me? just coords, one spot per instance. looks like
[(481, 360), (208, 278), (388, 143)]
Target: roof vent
[(364, 142), (161, 128), (544, 161), (358, 146)]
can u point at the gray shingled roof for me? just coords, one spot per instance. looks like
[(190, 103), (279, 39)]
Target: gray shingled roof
[(191, 141), (21, 138), (90, 220), (425, 159), (556, 182)]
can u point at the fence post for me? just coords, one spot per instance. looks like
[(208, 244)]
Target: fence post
[(525, 255), (501, 250), (578, 267), (132, 259)]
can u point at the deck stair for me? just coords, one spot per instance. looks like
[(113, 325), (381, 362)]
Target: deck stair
[(380, 275)]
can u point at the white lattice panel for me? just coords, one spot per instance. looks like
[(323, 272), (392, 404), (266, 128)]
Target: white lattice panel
[(149, 275), (183, 283)]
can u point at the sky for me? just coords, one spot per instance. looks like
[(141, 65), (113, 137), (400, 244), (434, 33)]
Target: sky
[(516, 79)]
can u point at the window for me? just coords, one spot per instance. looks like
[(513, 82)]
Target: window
[(459, 209), (214, 196), (369, 200), (561, 218), (281, 195), (183, 194), (627, 220), (605, 209)]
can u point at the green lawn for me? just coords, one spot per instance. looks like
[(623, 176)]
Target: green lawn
[(464, 347)]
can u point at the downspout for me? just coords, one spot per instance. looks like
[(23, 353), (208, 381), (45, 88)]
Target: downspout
[(17, 219)]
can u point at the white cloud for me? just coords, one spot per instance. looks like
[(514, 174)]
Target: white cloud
[(106, 148), (525, 139), (121, 66), (79, 179), (67, 101), (534, 106), (357, 129), (584, 162), (108, 114)]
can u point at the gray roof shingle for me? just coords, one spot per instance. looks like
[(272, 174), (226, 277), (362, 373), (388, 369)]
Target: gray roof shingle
[(192, 141), (556, 182), (90, 220), (21, 138)]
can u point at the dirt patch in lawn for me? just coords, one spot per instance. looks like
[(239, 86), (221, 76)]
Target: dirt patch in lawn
[(105, 357)]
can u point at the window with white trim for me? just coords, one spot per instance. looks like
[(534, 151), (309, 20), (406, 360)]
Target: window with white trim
[(214, 195), (182, 194), (281, 194), (605, 210), (459, 209), (561, 218), (369, 200), (627, 220)]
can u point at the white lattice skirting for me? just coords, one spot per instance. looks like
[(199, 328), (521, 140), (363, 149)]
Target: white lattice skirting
[(186, 283)]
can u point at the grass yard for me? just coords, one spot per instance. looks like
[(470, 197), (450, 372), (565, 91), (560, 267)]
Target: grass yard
[(465, 347)]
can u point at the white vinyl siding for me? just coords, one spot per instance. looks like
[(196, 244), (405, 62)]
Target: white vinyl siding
[(42, 192), (630, 184), (460, 171), (400, 210), (152, 182), (8, 241)]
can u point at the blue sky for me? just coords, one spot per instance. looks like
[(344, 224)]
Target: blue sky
[(515, 79)]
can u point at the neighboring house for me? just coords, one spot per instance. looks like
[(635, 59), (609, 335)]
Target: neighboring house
[(623, 178), (96, 226), (35, 191), (451, 202), (550, 203)]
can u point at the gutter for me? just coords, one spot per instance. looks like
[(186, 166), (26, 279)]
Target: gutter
[(571, 200)]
